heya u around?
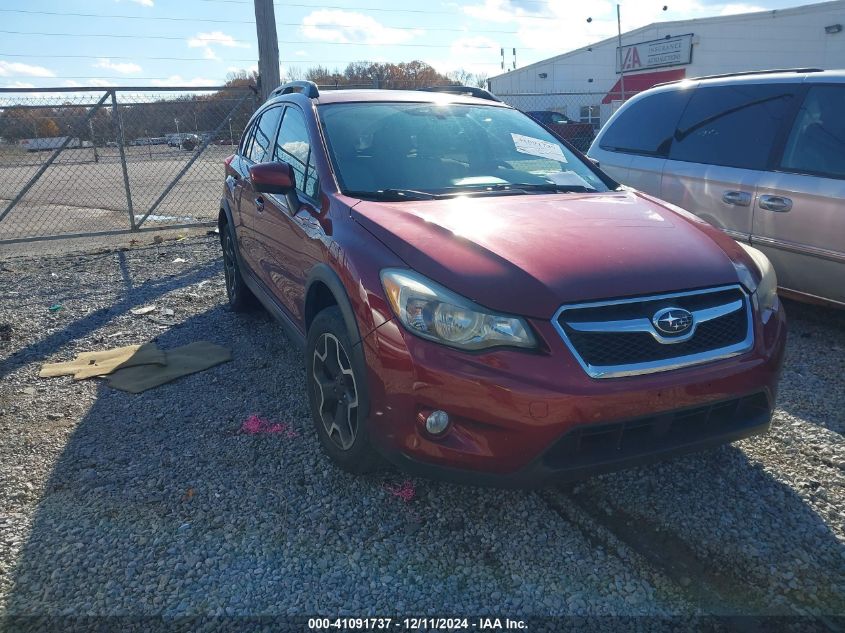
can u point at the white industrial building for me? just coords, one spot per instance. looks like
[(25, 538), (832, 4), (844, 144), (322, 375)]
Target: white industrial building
[(586, 85)]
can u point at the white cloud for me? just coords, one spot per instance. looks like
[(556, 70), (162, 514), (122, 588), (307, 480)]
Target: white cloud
[(178, 80), (238, 69), (125, 68), (17, 68), (559, 26), (99, 82), (143, 3), (330, 25), (733, 9), (70, 83), (474, 54), (207, 42), (300, 53), (19, 84)]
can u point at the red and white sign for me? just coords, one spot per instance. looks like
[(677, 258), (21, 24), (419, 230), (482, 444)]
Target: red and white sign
[(673, 51)]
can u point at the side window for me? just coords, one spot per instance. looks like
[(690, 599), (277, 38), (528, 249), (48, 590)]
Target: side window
[(733, 126), (293, 146), (646, 126), (265, 131), (816, 144), (246, 140)]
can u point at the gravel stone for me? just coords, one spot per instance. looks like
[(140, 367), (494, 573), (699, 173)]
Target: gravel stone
[(96, 515)]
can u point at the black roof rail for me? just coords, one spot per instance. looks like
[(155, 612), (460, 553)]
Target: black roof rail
[(308, 88), (479, 93), (744, 73)]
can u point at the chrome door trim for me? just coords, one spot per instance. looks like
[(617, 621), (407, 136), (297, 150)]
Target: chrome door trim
[(800, 249)]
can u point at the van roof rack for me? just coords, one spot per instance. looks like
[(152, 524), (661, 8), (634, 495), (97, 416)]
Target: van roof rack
[(479, 93), (744, 73), (308, 88)]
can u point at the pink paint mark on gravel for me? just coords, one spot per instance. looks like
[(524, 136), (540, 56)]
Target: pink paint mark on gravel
[(256, 425), (404, 491)]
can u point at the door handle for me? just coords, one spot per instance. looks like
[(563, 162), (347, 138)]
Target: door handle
[(259, 204), (780, 204), (737, 198)]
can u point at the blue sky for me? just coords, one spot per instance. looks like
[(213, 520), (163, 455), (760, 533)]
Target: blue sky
[(197, 42)]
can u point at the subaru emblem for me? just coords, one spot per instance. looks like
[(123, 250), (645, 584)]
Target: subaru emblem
[(672, 321)]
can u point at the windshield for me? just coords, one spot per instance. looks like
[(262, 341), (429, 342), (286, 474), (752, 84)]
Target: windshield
[(423, 149)]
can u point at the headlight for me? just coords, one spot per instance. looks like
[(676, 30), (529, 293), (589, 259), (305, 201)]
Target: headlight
[(766, 289), (431, 311)]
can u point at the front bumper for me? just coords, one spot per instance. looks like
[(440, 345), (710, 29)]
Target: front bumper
[(526, 418)]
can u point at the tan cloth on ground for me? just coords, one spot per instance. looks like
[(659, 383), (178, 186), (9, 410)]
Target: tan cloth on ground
[(181, 361), (89, 364)]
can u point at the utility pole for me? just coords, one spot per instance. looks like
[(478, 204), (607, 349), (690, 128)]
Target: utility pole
[(621, 61), (268, 48)]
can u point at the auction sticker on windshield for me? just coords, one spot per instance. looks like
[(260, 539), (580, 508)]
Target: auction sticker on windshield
[(538, 147)]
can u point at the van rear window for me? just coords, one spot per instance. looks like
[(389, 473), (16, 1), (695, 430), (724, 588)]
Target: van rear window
[(646, 126)]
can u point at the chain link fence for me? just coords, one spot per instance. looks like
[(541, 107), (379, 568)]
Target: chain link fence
[(94, 161), (582, 113)]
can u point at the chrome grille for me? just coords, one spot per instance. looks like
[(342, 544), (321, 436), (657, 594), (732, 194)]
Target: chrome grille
[(618, 338)]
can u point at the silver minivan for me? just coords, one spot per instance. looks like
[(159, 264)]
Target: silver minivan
[(761, 156)]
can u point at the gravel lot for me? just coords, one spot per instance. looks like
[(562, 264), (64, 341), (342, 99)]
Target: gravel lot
[(114, 504)]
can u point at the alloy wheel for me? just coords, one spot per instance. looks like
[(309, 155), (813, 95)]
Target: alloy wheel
[(336, 390)]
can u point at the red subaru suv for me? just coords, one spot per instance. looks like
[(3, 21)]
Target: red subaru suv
[(477, 301)]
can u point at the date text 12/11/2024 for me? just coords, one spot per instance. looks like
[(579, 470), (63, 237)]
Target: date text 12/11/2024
[(416, 624)]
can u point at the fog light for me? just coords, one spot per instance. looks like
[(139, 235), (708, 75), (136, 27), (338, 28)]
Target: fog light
[(437, 422)]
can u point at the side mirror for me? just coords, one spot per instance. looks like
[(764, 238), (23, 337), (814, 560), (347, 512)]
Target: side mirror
[(272, 178), (594, 161)]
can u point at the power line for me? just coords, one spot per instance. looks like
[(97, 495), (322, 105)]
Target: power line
[(191, 59), (133, 57), (128, 78), (311, 6), (423, 11), (132, 77), (125, 17), (212, 41), (140, 17), (379, 9), (128, 35)]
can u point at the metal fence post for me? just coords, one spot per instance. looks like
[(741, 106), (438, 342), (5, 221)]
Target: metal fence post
[(120, 141)]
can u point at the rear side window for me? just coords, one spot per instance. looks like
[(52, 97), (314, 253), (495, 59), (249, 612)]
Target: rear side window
[(261, 148), (246, 141), (816, 144), (293, 146), (646, 126), (733, 126)]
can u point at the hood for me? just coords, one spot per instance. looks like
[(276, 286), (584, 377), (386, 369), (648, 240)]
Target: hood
[(530, 254)]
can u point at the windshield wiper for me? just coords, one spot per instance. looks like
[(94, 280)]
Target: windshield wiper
[(553, 187), (522, 187), (393, 195)]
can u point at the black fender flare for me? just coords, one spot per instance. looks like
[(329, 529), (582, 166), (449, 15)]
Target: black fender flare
[(224, 207), (230, 220), (325, 274)]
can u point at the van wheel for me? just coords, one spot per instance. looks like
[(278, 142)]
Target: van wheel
[(338, 394)]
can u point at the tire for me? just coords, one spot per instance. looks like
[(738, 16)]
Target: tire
[(338, 394), (240, 296)]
